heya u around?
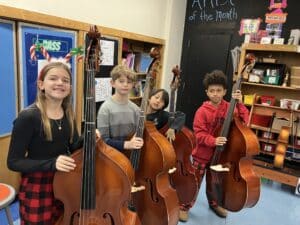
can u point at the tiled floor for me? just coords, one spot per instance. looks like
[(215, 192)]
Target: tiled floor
[(277, 205)]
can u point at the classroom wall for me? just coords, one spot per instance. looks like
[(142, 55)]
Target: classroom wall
[(156, 18), (162, 19)]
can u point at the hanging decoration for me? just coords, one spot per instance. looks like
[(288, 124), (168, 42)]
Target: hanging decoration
[(278, 4), (38, 47), (75, 52)]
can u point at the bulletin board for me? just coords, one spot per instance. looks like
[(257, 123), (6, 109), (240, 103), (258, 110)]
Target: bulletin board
[(8, 79), (57, 42)]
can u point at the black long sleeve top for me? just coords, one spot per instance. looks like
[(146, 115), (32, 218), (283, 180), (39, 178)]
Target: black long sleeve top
[(29, 151), (161, 118)]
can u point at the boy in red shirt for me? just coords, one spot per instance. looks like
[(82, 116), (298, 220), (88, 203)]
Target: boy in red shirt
[(207, 121)]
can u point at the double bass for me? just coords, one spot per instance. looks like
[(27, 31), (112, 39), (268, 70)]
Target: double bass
[(158, 204), (235, 184), (184, 178), (98, 190)]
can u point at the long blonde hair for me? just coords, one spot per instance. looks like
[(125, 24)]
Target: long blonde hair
[(66, 104)]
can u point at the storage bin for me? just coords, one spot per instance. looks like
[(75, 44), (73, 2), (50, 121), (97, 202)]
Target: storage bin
[(261, 120), (267, 100), (249, 99), (272, 79), (289, 103), (297, 142), (268, 147), (268, 135), (279, 122), (296, 155), (273, 72)]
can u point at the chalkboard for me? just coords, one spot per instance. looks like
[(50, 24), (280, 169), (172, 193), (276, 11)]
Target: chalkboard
[(8, 79), (57, 42), (203, 11), (206, 21)]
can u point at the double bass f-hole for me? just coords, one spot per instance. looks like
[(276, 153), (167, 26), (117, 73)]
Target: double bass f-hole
[(151, 190)]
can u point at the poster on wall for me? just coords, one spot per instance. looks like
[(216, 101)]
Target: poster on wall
[(37, 44), (8, 77)]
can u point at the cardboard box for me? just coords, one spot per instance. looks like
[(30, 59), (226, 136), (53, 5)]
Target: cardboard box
[(279, 122), (295, 81), (295, 71)]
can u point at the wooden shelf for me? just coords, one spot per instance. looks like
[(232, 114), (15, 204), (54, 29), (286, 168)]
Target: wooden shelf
[(285, 176), (271, 47), (135, 98), (270, 86), (141, 75), (269, 110), (288, 55), (268, 141), (273, 154), (256, 127)]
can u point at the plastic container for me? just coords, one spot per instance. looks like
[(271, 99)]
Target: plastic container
[(289, 103), (267, 100)]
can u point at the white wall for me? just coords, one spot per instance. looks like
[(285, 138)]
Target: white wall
[(156, 18)]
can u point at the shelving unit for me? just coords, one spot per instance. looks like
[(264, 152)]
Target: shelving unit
[(136, 94), (290, 56), (136, 54)]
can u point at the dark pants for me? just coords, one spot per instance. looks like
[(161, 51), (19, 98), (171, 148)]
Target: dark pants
[(201, 169)]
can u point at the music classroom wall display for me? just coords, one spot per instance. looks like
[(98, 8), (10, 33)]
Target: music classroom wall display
[(39, 44)]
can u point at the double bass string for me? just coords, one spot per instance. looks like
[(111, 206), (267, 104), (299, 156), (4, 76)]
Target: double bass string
[(135, 156), (89, 145)]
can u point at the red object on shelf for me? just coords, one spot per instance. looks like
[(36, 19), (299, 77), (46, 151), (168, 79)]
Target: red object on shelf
[(267, 100), (268, 147), (267, 134), (261, 120)]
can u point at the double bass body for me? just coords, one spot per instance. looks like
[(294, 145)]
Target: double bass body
[(113, 188), (240, 186), (184, 179), (98, 190), (158, 204)]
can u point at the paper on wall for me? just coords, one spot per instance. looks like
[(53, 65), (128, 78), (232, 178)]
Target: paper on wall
[(103, 89)]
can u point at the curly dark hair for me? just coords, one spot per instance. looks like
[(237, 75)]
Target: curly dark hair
[(215, 77)]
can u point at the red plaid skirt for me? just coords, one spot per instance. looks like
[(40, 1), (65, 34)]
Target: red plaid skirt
[(37, 203)]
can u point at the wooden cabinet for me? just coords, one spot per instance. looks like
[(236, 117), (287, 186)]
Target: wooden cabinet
[(266, 118)]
